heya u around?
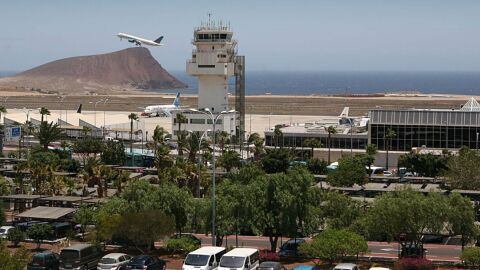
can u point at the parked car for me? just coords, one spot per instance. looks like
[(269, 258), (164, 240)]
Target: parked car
[(46, 260), (4, 231), (114, 261), (290, 248), (271, 266), (197, 241), (306, 267), (146, 262), (346, 266), (80, 256)]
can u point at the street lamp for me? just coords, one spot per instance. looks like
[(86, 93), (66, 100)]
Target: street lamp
[(214, 121), (103, 131)]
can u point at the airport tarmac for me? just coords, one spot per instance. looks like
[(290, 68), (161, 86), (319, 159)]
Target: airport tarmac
[(116, 119)]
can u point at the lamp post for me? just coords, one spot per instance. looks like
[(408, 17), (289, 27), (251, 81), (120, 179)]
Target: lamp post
[(476, 142), (214, 121)]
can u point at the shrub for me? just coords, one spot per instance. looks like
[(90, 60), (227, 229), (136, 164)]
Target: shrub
[(471, 256), (181, 245), (15, 236), (413, 264), (39, 232), (267, 255)]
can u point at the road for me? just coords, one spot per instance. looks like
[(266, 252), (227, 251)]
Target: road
[(376, 249)]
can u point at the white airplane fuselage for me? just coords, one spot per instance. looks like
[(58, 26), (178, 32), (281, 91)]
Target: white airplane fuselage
[(138, 40), (159, 109)]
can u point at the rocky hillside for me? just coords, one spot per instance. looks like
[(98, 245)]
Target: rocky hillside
[(125, 70)]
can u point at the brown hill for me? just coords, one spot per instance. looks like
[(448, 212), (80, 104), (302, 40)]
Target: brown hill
[(129, 69)]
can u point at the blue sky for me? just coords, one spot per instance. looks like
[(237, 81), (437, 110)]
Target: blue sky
[(273, 34)]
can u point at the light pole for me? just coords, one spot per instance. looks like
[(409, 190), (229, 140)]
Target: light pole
[(61, 105), (214, 121), (476, 142)]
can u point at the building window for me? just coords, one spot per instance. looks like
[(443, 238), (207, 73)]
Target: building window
[(197, 121), (219, 121)]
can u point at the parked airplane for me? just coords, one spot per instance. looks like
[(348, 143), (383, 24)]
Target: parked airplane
[(139, 41), (157, 110)]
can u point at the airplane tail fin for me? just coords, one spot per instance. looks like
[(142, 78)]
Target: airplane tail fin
[(79, 110), (158, 40), (344, 113), (176, 102)]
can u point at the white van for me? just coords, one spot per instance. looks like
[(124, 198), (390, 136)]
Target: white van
[(240, 259), (204, 258)]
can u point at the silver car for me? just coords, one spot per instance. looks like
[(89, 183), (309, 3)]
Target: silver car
[(114, 261)]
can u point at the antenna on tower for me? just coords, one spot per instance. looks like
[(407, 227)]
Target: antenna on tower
[(209, 14)]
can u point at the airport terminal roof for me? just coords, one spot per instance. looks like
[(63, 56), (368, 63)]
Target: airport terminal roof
[(44, 212)]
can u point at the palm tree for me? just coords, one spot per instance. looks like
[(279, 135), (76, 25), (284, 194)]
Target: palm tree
[(312, 143), (49, 133), (330, 130), (132, 117), (180, 118), (44, 111), (371, 150), (251, 140), (222, 139), (389, 135), (277, 133)]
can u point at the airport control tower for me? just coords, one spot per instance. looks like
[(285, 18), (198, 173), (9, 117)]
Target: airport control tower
[(213, 62)]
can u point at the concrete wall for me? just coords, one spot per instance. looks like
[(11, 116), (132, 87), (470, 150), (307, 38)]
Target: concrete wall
[(380, 157)]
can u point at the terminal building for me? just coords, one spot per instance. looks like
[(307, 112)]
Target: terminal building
[(413, 129), (428, 128)]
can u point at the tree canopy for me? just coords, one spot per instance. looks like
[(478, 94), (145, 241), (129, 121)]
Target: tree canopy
[(351, 170)]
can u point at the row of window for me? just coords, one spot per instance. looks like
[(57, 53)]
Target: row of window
[(211, 36), (338, 143), (407, 137)]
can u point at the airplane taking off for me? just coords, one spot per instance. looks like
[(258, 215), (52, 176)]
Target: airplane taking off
[(139, 41), (157, 110)]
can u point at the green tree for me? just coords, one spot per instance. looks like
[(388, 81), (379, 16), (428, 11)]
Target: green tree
[(113, 153), (461, 218), (182, 245), (15, 236), (330, 130), (317, 166), (175, 202), (428, 165), (276, 160), (87, 147), (132, 117), (84, 216), (43, 111), (371, 150), (388, 137), (39, 232), (49, 133), (333, 245), (2, 110), (161, 149), (257, 141), (312, 143), (463, 171), (278, 135), (339, 210), (181, 134), (350, 171), (16, 260), (471, 257), (276, 209), (405, 215), (142, 229), (229, 159)]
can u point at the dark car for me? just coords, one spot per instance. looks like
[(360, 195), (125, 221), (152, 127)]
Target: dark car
[(44, 261), (146, 262), (80, 256), (290, 248), (197, 241), (271, 266)]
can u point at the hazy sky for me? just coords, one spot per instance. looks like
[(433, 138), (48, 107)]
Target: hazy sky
[(272, 34)]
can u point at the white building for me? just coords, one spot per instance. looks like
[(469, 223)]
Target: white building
[(213, 62)]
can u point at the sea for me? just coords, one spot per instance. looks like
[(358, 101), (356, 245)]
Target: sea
[(343, 82)]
